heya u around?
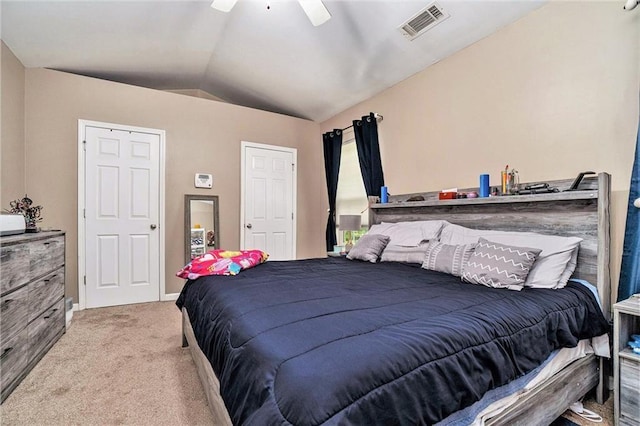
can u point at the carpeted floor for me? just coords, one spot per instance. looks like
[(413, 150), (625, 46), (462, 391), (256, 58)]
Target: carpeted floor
[(604, 410), (124, 366), (115, 366)]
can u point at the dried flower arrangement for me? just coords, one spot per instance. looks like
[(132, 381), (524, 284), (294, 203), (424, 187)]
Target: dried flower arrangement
[(30, 212)]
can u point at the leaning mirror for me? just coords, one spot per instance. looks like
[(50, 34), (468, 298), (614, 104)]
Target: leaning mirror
[(201, 227)]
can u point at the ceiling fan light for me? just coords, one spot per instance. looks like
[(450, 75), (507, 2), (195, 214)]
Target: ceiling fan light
[(223, 5), (316, 11), (631, 4)]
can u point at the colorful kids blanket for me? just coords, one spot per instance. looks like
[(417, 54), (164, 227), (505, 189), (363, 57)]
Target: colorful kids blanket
[(222, 262)]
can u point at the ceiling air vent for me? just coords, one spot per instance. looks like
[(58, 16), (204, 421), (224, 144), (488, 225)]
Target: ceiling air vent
[(424, 20)]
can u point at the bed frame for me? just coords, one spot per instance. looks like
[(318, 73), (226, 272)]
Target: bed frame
[(582, 213)]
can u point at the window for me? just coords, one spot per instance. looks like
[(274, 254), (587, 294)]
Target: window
[(351, 197)]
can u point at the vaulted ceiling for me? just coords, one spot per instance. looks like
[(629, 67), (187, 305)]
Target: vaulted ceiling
[(269, 58)]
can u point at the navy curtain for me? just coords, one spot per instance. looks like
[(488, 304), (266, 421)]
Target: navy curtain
[(366, 133), (332, 142), (630, 271)]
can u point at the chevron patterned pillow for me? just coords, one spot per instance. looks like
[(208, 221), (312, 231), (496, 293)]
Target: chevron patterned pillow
[(447, 258), (499, 265)]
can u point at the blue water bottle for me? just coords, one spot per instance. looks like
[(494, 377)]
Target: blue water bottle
[(384, 195), (484, 185)]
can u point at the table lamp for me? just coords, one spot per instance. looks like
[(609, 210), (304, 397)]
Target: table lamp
[(348, 223)]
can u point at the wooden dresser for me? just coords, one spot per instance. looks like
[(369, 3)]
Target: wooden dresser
[(31, 302)]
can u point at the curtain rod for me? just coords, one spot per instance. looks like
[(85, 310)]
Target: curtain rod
[(378, 117)]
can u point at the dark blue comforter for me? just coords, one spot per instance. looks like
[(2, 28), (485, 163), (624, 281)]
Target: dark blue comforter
[(333, 341)]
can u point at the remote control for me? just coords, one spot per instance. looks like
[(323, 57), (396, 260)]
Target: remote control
[(537, 186)]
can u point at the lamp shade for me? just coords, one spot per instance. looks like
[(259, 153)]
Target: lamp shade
[(350, 222)]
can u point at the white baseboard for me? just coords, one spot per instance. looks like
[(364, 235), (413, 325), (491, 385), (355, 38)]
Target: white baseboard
[(68, 317), (171, 296), (167, 297)]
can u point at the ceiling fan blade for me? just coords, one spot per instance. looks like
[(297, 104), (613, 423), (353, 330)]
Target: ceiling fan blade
[(223, 5), (315, 10)]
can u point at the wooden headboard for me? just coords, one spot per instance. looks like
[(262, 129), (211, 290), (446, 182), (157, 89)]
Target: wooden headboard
[(582, 213)]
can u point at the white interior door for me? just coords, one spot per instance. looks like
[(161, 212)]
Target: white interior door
[(269, 200), (122, 244)]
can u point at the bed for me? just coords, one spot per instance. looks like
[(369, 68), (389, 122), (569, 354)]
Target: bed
[(270, 345)]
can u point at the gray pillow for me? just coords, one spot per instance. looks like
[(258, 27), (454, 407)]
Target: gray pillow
[(447, 258), (499, 265), (393, 253), (369, 247)]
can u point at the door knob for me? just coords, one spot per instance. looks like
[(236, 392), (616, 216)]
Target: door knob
[(153, 226), (249, 226), (637, 203)]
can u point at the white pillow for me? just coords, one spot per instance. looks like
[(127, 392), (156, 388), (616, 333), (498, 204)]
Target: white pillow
[(571, 266), (409, 234), (552, 268), (380, 228)]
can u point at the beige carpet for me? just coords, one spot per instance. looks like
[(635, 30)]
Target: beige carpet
[(114, 366), (124, 366)]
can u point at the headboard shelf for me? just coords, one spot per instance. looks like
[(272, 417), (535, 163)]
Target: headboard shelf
[(588, 189), (510, 199)]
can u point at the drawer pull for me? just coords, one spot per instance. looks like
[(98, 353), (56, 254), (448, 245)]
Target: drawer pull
[(6, 302), (5, 352), (46, 243), (52, 311), (50, 278)]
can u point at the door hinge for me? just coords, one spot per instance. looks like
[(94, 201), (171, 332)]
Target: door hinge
[(291, 216), (84, 145), (293, 167), (84, 213), (85, 280)]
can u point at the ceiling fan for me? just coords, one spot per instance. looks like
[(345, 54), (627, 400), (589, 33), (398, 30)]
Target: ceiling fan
[(315, 9)]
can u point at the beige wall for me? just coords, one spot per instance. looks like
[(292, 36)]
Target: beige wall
[(553, 94), (12, 166), (201, 136)]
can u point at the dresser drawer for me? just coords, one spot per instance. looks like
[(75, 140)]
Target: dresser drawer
[(629, 390), (14, 311), (23, 262), (46, 255), (14, 357), (15, 266), (45, 328), (45, 292)]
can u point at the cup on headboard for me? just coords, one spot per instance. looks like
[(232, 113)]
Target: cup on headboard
[(484, 185), (384, 194)]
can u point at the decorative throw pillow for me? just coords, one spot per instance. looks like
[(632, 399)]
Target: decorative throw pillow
[(369, 247), (499, 265), (447, 258), (393, 253)]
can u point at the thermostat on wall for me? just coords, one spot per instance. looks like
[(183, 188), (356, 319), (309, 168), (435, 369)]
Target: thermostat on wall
[(204, 180)]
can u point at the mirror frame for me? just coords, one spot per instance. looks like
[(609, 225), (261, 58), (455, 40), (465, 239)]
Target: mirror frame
[(187, 221)]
